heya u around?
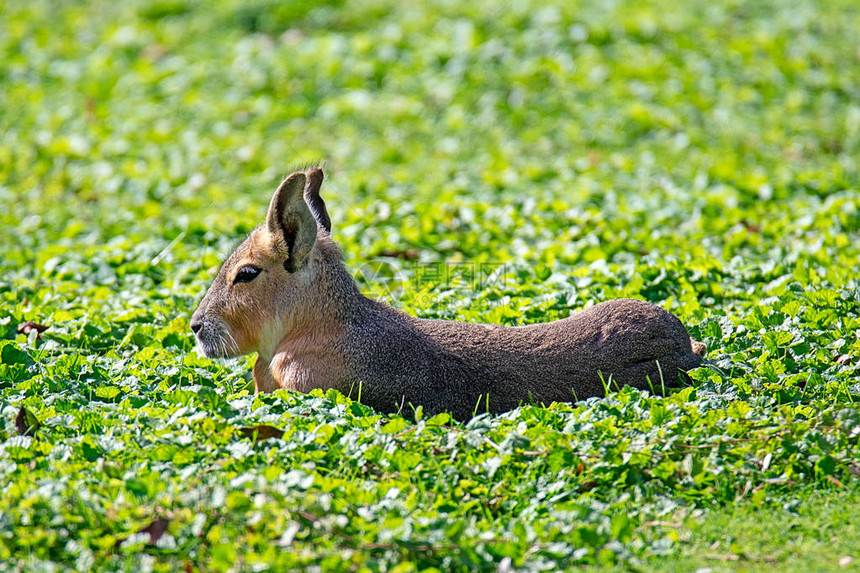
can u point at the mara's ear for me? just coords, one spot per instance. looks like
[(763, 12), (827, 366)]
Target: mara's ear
[(290, 220), (313, 199)]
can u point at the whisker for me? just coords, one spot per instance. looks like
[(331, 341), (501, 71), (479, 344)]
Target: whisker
[(234, 345)]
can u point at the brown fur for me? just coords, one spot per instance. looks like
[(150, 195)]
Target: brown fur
[(312, 328)]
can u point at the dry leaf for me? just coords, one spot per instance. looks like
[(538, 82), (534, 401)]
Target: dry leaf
[(835, 481), (156, 529), (27, 327), (26, 423), (261, 432)]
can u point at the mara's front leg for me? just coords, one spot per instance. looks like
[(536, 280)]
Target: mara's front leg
[(263, 379)]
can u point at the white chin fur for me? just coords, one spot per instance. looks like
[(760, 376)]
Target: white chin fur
[(214, 349)]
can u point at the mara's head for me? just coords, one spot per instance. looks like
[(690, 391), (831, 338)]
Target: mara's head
[(266, 276)]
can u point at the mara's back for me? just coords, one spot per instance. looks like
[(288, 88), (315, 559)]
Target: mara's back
[(465, 367)]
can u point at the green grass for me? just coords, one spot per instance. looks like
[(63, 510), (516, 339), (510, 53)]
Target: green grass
[(818, 532), (486, 162), (813, 531)]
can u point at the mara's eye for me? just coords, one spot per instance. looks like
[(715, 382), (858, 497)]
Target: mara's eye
[(246, 274)]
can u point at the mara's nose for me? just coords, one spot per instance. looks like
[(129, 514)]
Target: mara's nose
[(196, 325)]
